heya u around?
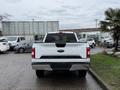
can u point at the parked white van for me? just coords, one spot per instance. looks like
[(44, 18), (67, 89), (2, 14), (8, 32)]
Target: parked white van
[(15, 40)]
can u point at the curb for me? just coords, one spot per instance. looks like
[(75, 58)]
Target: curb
[(99, 80)]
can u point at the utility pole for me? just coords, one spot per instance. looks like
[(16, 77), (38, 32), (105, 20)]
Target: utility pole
[(32, 26), (96, 23)]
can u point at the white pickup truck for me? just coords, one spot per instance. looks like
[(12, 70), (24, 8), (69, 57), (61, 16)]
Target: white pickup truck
[(60, 51)]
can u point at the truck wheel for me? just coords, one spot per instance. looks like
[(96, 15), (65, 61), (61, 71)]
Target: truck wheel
[(39, 73), (82, 73), (21, 50)]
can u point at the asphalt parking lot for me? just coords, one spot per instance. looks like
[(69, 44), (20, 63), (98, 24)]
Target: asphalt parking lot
[(16, 74)]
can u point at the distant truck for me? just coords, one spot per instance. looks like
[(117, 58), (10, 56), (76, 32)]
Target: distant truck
[(60, 51)]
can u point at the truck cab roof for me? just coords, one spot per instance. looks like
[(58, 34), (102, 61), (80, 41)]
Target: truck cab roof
[(59, 32)]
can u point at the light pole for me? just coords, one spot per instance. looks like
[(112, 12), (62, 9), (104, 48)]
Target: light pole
[(96, 23), (32, 26)]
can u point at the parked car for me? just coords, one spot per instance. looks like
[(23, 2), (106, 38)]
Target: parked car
[(82, 40), (14, 40), (103, 39), (60, 51), (24, 47), (91, 42), (4, 46), (109, 43)]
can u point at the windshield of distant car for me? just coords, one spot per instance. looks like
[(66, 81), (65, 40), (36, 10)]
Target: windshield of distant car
[(3, 40), (11, 38), (90, 39)]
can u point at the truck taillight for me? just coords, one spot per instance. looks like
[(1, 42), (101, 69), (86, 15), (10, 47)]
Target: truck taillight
[(88, 52), (33, 52)]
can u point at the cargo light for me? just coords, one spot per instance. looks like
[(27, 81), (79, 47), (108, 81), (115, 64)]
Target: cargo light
[(33, 52), (88, 52)]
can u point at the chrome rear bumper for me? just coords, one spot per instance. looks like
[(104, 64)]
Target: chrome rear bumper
[(71, 66)]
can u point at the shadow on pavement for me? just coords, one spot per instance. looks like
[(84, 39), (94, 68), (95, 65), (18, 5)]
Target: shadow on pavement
[(62, 79)]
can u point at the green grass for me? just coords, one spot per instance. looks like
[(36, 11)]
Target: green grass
[(108, 68)]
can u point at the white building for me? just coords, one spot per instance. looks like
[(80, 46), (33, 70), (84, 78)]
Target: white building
[(28, 28)]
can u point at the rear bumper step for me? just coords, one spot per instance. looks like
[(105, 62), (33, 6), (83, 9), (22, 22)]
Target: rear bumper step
[(72, 66), (40, 63)]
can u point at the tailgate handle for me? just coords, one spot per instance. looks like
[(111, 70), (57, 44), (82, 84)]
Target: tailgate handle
[(60, 51)]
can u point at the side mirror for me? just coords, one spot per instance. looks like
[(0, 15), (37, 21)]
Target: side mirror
[(18, 40)]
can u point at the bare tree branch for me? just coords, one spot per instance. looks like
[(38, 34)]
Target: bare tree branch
[(5, 16)]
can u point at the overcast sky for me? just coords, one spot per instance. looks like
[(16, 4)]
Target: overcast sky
[(70, 13)]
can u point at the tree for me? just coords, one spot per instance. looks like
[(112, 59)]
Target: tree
[(112, 24), (4, 16), (0, 33)]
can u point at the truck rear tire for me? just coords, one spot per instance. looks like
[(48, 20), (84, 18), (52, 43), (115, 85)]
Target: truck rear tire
[(40, 73), (82, 73)]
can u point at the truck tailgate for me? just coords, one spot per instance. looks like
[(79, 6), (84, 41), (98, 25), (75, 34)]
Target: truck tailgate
[(67, 51)]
